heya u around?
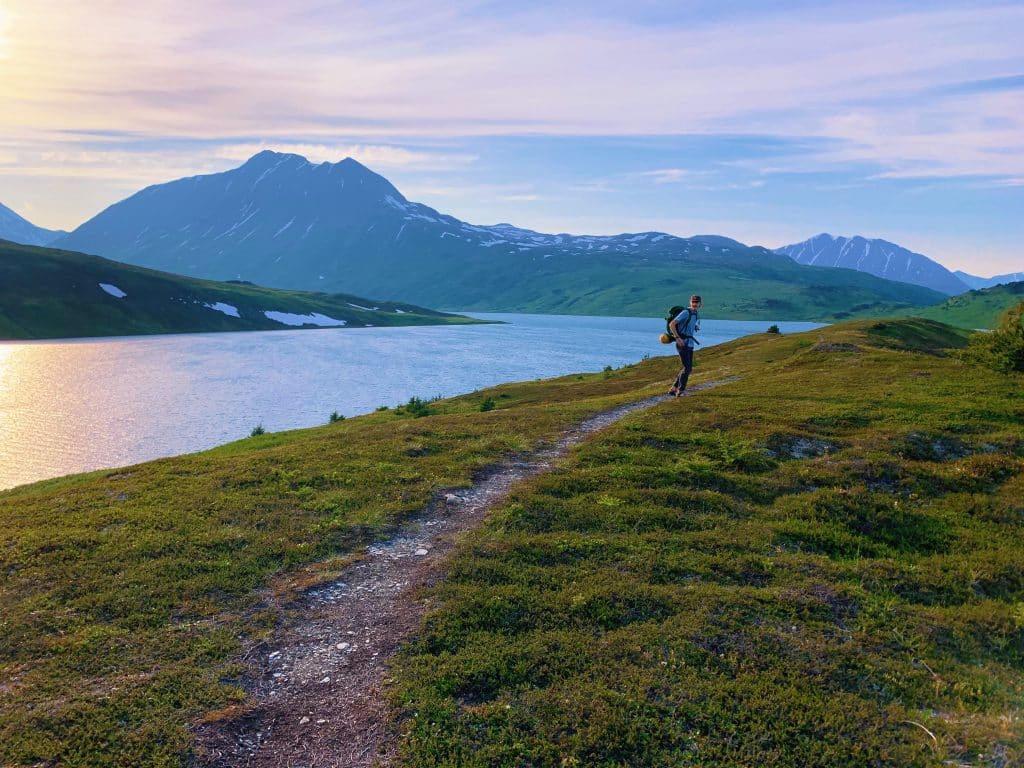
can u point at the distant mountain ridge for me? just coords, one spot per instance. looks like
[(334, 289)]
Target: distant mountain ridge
[(977, 283), (18, 229), (876, 257), (281, 220)]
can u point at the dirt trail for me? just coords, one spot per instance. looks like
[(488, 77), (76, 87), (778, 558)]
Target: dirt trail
[(316, 690)]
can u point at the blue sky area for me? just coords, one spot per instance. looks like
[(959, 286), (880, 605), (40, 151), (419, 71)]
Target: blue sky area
[(768, 122)]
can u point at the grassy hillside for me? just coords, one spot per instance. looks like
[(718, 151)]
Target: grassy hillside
[(820, 565), (809, 566), (976, 309), (971, 310), (47, 293), (734, 286)]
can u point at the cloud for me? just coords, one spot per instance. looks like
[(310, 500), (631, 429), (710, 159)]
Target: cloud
[(596, 185), (667, 175), (397, 69), (520, 198), (973, 134)]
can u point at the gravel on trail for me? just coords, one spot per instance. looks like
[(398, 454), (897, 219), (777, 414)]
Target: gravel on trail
[(315, 690)]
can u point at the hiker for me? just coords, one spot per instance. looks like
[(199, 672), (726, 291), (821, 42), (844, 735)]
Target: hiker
[(682, 327)]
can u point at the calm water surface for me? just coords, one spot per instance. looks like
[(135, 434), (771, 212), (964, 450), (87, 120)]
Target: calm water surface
[(73, 406)]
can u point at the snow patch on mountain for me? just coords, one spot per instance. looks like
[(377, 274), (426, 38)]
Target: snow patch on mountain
[(285, 227), (113, 290), (314, 318), (227, 309)]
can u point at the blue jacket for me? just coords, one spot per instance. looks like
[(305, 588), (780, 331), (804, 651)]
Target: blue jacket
[(687, 324)]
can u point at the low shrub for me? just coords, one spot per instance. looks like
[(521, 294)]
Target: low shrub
[(1002, 349)]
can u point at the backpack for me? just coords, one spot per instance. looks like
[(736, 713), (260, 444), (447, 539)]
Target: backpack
[(672, 314), (669, 317)]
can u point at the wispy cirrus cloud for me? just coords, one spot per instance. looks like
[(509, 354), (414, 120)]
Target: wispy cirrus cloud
[(382, 69), (667, 175)]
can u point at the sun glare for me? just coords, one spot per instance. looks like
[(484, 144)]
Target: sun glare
[(4, 17)]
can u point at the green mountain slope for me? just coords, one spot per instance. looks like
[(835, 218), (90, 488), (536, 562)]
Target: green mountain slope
[(280, 220), (976, 309), (818, 564), (47, 293), (979, 309)]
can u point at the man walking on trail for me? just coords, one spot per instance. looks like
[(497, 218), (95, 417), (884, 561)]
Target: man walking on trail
[(683, 327)]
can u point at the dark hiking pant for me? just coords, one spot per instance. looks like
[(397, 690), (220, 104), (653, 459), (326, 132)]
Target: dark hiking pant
[(686, 355)]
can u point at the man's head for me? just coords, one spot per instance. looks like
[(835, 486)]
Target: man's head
[(695, 302)]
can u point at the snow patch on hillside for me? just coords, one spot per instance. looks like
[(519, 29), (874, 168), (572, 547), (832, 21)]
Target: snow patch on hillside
[(314, 318), (113, 290), (398, 204), (227, 309)]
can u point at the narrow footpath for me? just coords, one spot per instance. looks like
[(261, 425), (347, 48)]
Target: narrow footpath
[(316, 688)]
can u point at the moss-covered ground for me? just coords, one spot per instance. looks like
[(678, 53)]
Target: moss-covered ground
[(821, 564), (818, 564), (126, 597)]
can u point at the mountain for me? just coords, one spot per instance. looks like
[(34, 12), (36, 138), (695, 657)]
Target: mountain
[(16, 229), (719, 241), (283, 221), (876, 257), (987, 282), (46, 293)]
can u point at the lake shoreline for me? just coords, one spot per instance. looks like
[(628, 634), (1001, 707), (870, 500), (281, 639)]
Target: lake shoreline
[(88, 404)]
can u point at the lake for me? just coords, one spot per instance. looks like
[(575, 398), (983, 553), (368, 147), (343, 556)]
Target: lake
[(78, 405)]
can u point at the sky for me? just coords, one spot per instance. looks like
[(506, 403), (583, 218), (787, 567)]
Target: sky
[(768, 121)]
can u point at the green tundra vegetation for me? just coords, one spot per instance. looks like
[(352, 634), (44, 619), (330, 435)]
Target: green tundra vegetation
[(976, 309), (972, 310), (819, 562), (47, 293)]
